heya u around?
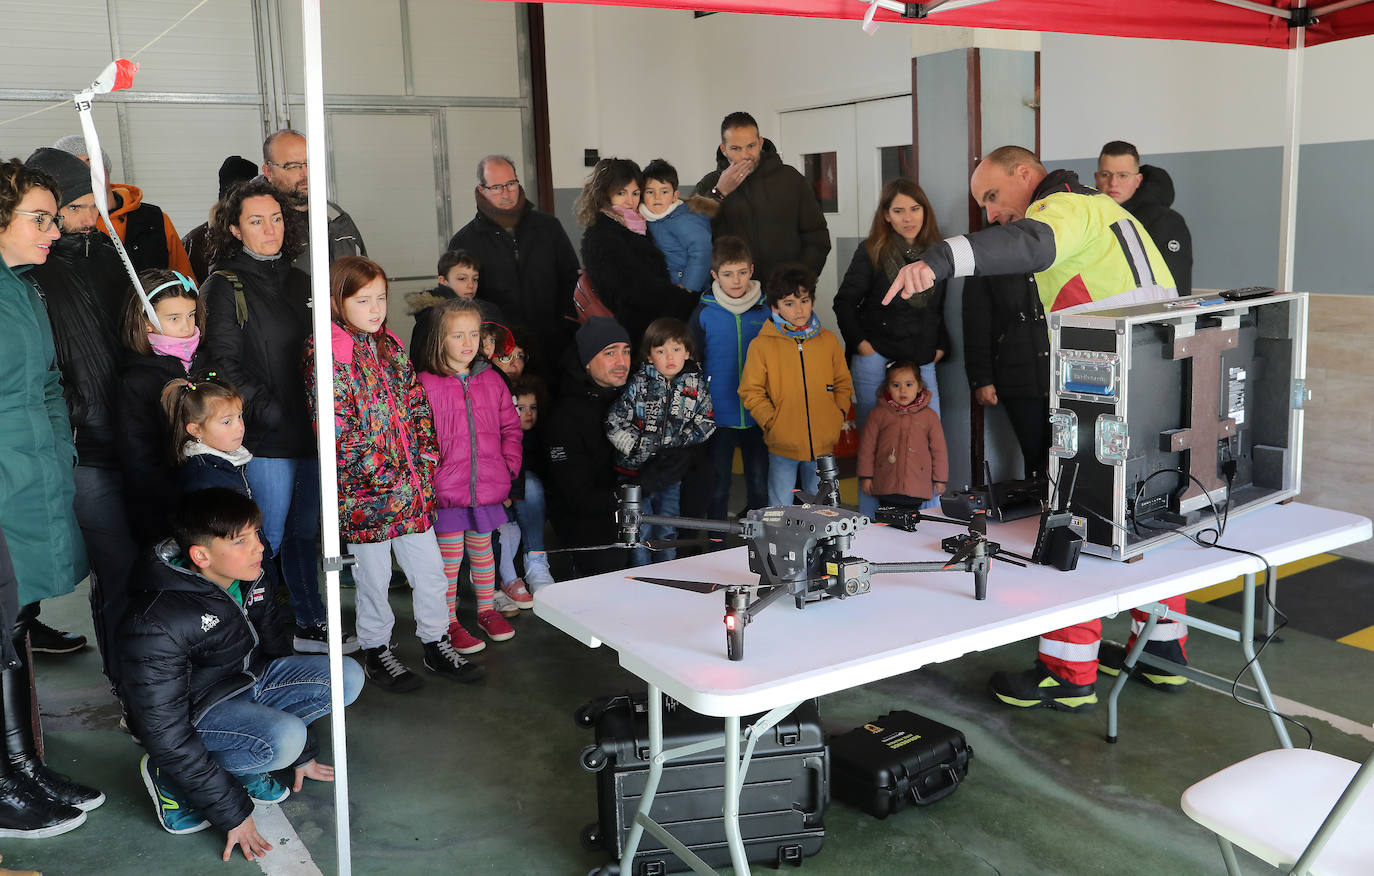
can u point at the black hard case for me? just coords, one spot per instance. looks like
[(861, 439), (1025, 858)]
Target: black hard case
[(782, 803), (897, 759)]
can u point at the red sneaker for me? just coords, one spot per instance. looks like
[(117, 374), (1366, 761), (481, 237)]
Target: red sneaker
[(495, 626), (517, 593), (462, 641)]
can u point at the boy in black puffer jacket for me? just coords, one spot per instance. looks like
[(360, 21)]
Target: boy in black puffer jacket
[(201, 656)]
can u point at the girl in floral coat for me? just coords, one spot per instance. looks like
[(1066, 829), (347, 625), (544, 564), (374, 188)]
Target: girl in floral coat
[(384, 435)]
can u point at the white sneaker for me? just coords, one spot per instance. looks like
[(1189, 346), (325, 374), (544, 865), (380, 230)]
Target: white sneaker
[(537, 570), (504, 604)]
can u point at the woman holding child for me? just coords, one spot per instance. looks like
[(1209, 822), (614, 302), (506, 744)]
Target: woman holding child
[(911, 329), (627, 270)]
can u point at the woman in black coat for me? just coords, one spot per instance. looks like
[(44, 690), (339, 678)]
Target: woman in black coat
[(906, 329), (627, 270), (257, 317)]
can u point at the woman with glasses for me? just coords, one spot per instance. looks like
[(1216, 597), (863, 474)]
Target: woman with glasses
[(37, 520), (909, 329), (257, 317)]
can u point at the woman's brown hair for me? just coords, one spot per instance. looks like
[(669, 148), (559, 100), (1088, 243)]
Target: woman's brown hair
[(882, 240), (193, 401), (347, 276), (431, 356), (609, 175), (134, 327), (16, 178)]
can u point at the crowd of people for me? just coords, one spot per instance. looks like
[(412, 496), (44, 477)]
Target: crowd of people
[(165, 442)]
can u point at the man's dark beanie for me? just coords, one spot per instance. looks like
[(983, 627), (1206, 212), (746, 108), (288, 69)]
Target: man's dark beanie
[(596, 334), (235, 169), (72, 175)]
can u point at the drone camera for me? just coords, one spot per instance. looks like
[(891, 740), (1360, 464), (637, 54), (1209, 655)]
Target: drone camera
[(852, 574)]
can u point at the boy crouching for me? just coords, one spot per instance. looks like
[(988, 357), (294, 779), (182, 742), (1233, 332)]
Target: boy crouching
[(209, 681)]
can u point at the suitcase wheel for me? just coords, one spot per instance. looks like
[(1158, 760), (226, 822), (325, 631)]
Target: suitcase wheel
[(585, 716), (593, 760), (590, 835)]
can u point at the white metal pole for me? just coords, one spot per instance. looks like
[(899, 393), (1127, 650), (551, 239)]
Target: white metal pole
[(316, 157), (1288, 204)]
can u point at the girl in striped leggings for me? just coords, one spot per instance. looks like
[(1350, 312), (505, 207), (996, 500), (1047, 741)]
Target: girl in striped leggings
[(479, 455)]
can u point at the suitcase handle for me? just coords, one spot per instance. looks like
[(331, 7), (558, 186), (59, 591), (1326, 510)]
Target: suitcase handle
[(951, 783), (820, 768)]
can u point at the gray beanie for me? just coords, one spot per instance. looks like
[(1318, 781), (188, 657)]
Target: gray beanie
[(596, 334), (76, 145), (71, 174)]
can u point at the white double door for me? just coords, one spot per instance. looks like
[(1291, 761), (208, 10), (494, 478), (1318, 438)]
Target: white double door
[(857, 133)]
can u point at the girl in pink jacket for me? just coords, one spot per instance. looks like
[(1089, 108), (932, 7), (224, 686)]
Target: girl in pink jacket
[(479, 455)]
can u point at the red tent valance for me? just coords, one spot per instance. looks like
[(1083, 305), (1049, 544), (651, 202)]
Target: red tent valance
[(1205, 20)]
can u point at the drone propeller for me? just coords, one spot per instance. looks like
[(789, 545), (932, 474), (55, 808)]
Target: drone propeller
[(668, 544), (978, 523), (694, 586), (590, 547)]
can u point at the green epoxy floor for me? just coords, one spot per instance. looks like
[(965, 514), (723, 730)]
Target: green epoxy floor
[(484, 779)]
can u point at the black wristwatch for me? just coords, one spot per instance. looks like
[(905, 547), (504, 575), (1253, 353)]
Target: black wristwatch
[(717, 194)]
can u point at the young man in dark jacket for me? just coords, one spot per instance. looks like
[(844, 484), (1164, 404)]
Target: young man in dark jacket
[(211, 690), (1147, 193), (766, 202)]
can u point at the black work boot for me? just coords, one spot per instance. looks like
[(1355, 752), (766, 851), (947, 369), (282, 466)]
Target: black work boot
[(1111, 657), (1038, 686)]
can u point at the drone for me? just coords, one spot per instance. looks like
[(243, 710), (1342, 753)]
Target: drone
[(803, 551)]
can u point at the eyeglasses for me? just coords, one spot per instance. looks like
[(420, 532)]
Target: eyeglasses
[(502, 187), (44, 221), (291, 166), (1119, 176)]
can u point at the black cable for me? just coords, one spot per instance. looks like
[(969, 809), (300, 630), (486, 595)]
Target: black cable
[(1220, 518)]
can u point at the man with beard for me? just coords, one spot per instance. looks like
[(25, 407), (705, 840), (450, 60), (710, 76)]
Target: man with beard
[(148, 235), (70, 285), (761, 199), (581, 486), (528, 264), (284, 165)]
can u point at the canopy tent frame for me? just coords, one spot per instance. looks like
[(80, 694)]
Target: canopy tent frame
[(1298, 17)]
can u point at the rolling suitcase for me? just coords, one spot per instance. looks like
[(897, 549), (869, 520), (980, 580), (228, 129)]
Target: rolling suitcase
[(898, 759), (782, 802)]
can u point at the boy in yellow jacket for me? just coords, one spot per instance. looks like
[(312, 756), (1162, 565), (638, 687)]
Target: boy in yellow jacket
[(795, 383)]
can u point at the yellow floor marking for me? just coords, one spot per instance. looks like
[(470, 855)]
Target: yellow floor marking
[(1226, 588), (1362, 639)]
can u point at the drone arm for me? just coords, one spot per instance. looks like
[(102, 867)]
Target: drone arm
[(898, 568), (728, 526), (766, 600)]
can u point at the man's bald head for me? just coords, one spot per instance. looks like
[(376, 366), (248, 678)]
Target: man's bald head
[(1004, 182)]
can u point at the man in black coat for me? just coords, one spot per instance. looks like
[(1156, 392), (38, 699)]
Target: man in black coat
[(87, 353), (766, 202), (528, 265), (1147, 193), (581, 481), (1006, 358), (211, 690)]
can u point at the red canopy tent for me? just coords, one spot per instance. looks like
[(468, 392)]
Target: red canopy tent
[(1279, 24), (1216, 21)]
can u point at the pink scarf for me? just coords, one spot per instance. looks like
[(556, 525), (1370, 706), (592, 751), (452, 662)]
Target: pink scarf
[(182, 348), (922, 399), (631, 219)]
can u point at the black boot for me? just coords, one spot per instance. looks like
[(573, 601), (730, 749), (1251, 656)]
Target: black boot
[(21, 750), (27, 813)]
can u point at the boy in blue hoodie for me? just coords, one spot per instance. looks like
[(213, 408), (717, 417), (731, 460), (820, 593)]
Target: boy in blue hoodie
[(728, 318), (679, 230)]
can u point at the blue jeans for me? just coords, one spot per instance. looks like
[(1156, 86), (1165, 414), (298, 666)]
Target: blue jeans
[(530, 514), (754, 452), (288, 493), (667, 502), (869, 373), (782, 478), (263, 728)]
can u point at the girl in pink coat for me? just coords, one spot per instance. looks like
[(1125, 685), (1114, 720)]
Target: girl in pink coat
[(902, 455), (479, 455)]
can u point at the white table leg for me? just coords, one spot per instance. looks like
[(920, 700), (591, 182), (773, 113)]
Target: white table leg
[(732, 790), (1247, 647)]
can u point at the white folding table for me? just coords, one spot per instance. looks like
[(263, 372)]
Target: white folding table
[(674, 640)]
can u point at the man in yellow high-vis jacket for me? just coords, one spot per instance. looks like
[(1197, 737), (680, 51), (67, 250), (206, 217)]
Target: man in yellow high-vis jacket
[(1082, 248)]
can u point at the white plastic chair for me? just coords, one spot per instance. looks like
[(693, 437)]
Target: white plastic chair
[(1305, 812)]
